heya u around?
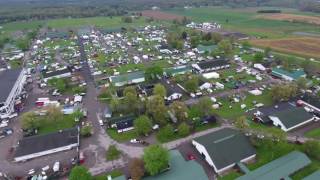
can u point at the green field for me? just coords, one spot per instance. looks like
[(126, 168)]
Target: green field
[(315, 133), (245, 20)]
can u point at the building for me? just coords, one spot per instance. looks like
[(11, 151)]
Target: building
[(291, 118), (60, 73), (224, 148), (313, 176), (41, 145), (208, 66), (312, 102), (280, 168), (172, 71), (122, 123), (12, 82), (203, 49), (288, 75), (129, 78), (180, 169)]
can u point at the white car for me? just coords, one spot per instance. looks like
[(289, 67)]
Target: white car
[(3, 125), (101, 122), (56, 166)]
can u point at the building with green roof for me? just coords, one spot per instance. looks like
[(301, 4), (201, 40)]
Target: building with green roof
[(313, 176), (292, 118), (180, 169), (224, 148), (203, 48), (129, 78), (172, 71), (280, 168), (288, 75), (120, 178)]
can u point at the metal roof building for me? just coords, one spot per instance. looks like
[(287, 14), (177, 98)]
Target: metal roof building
[(280, 168), (180, 169), (313, 176)]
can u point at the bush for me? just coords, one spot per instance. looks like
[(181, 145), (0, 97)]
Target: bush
[(86, 131), (183, 129), (156, 159), (112, 153), (166, 133)]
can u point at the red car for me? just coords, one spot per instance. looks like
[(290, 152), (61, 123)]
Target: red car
[(191, 156)]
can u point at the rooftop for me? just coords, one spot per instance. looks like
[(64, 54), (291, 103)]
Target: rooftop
[(127, 77), (40, 143), (8, 78), (313, 176), (226, 146), (279, 168), (180, 169), (296, 74), (212, 64)]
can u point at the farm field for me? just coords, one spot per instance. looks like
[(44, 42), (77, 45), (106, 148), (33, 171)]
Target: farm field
[(246, 21), (309, 47), (292, 18), (160, 15)]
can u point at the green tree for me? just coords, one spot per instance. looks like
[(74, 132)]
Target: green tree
[(157, 109), (241, 123), (192, 84), (302, 83), (160, 90), (226, 47), (166, 133), (312, 148), (143, 125), (284, 92), (29, 121), (130, 89), (258, 57), (205, 105), (216, 38), (80, 173), (115, 105), (179, 110), (246, 45), (132, 102), (267, 51), (156, 159), (183, 129), (23, 44), (112, 153), (136, 168), (152, 73)]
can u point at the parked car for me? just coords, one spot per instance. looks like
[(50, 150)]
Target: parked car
[(56, 166)]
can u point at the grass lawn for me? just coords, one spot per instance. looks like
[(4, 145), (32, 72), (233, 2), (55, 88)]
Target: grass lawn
[(102, 22), (315, 133), (52, 126), (114, 174), (122, 137), (230, 176)]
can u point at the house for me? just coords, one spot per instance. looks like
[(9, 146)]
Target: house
[(224, 148), (291, 118), (180, 169), (203, 48), (280, 168), (122, 123), (310, 101), (12, 82), (212, 65), (262, 113), (41, 145), (173, 71), (129, 78), (60, 73), (288, 75), (313, 176)]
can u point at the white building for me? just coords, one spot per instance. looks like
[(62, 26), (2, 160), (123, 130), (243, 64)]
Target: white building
[(12, 82)]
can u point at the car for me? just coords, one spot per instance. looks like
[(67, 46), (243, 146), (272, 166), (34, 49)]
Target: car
[(8, 131), (56, 166), (3, 125), (101, 122), (190, 156)]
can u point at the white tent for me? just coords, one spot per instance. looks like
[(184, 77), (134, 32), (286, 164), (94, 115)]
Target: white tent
[(259, 67), (211, 75)]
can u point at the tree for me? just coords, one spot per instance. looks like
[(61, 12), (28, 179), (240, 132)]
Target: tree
[(194, 41), (204, 105), (136, 168), (86, 131), (207, 36), (143, 125), (312, 148), (131, 100), (258, 57), (152, 73), (226, 47), (157, 109), (192, 84), (267, 51), (284, 92), (179, 110), (80, 173), (246, 45), (166, 132), (23, 44), (127, 19), (302, 83), (112, 153), (156, 159), (241, 123), (216, 37), (29, 121), (160, 90), (183, 129), (276, 134), (54, 113), (130, 89), (115, 105)]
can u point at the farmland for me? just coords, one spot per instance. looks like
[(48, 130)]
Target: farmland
[(292, 18), (309, 47), (160, 15), (246, 21)]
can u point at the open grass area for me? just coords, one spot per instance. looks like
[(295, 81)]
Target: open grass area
[(122, 137), (47, 126), (246, 21), (113, 174), (103, 22), (315, 133)]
